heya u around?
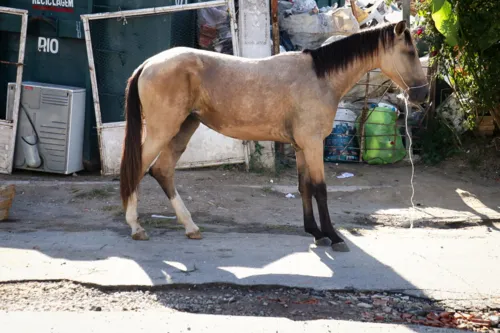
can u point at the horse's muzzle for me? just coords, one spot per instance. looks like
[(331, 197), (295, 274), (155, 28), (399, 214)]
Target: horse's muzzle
[(418, 95)]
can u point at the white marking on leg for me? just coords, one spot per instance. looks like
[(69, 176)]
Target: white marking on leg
[(131, 214), (154, 161), (183, 214)]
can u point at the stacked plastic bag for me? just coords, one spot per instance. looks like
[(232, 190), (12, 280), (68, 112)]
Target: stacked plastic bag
[(309, 27), (215, 30)]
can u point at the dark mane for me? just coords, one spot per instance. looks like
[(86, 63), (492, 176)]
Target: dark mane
[(341, 53)]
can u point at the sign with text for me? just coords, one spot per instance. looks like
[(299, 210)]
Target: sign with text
[(54, 5), (48, 45)]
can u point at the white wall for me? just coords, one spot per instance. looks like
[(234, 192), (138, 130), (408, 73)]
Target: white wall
[(255, 42)]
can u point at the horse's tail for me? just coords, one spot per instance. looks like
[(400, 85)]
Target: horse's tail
[(131, 163)]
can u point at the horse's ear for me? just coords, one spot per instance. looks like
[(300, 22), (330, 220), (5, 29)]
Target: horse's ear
[(400, 28)]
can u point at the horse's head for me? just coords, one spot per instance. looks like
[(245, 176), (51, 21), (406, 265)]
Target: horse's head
[(402, 64)]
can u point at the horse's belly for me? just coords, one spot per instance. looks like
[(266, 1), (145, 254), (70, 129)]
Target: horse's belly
[(241, 129), (246, 133)]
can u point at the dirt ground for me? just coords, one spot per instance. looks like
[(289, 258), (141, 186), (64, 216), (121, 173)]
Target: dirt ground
[(227, 199)]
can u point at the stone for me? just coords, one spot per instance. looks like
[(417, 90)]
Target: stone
[(420, 312), (407, 316), (494, 320), (365, 305), (379, 302)]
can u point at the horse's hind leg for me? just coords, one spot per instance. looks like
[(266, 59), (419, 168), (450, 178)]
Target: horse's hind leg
[(150, 150), (313, 154), (164, 168), (165, 105)]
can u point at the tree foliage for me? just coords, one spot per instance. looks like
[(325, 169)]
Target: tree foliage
[(463, 36)]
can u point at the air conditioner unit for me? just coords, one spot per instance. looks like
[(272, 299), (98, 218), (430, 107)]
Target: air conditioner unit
[(50, 127)]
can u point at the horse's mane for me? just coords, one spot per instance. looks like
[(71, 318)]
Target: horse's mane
[(341, 53)]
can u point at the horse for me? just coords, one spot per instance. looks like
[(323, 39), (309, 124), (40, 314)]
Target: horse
[(290, 98)]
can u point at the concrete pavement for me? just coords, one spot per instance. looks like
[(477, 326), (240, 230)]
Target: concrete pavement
[(440, 264)]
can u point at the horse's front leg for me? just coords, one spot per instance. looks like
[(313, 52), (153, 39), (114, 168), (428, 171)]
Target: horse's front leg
[(305, 190), (313, 154)]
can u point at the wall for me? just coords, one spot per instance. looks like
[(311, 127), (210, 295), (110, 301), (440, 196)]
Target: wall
[(255, 42)]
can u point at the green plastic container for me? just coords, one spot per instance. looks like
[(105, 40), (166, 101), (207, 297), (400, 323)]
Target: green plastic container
[(383, 143)]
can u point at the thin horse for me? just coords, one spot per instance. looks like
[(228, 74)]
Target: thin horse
[(290, 98)]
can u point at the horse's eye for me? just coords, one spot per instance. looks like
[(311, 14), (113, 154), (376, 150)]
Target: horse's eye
[(412, 53)]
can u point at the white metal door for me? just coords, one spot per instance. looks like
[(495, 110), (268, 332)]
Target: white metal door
[(8, 127), (206, 147)]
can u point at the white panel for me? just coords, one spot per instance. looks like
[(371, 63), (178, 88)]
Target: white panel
[(111, 148), (5, 146), (8, 131), (206, 148), (255, 41)]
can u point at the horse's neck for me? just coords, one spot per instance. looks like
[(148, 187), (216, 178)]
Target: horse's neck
[(343, 81)]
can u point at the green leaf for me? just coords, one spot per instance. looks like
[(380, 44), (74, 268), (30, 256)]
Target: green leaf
[(446, 21), (489, 38)]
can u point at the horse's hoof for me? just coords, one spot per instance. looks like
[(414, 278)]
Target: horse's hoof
[(340, 247), (140, 235), (194, 235), (325, 241)]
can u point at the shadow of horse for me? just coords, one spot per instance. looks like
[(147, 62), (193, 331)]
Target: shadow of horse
[(112, 259)]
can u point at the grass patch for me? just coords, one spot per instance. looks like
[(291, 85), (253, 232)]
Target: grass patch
[(272, 229), (267, 189), (169, 224), (166, 224), (111, 208), (96, 193), (116, 210)]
